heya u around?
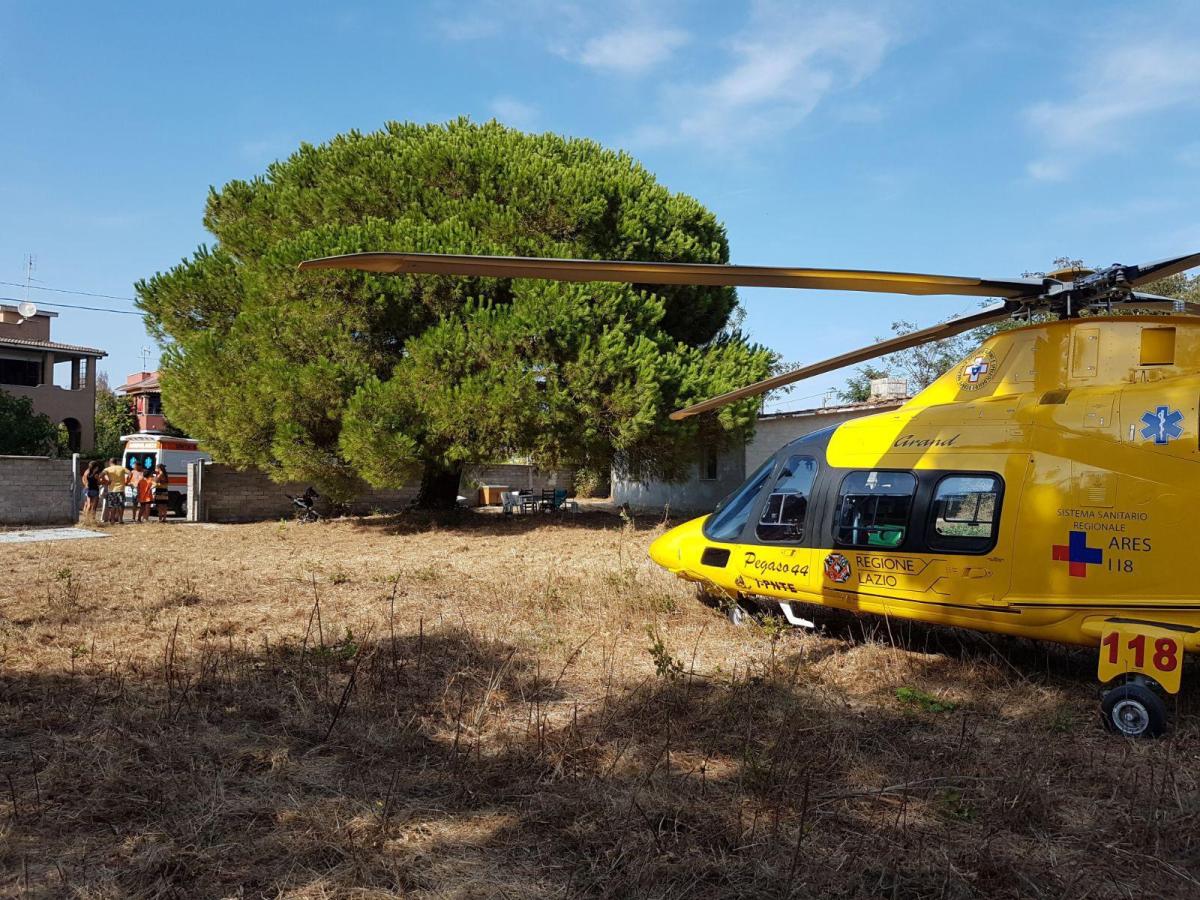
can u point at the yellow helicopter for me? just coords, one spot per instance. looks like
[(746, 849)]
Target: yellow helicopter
[(1045, 487)]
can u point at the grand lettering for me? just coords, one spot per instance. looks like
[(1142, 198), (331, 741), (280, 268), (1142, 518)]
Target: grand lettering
[(911, 440)]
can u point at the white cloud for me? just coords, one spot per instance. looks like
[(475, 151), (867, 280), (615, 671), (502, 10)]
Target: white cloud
[(583, 33), (632, 50), (1046, 170), (1121, 85), (512, 111), (789, 57), (788, 60)]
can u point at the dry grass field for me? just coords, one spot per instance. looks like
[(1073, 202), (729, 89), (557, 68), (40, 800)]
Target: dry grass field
[(528, 708)]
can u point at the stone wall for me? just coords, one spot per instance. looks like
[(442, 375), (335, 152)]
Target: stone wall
[(36, 490), (218, 493)]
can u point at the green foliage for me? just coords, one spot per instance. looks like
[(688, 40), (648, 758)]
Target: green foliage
[(114, 417), (858, 385), (336, 377), (665, 665), (953, 806), (26, 433), (927, 702)]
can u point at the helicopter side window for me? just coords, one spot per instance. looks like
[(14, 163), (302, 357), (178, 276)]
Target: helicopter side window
[(733, 513), (783, 514), (873, 509), (965, 513)]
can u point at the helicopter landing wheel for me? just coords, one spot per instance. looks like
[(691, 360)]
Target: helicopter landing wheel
[(740, 611), (1134, 709)]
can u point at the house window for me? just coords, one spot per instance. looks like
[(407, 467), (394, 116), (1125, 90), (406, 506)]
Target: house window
[(154, 404), (873, 509), (783, 514), (708, 464), (965, 513), (24, 372)]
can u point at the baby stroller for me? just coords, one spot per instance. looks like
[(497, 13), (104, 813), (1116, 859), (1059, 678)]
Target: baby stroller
[(305, 513)]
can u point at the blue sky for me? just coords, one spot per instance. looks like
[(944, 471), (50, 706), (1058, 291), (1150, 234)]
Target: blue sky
[(972, 138)]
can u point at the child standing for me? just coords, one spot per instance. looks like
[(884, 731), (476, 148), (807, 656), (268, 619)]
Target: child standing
[(145, 495)]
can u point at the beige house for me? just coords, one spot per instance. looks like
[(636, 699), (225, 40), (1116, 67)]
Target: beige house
[(718, 472), (31, 364)]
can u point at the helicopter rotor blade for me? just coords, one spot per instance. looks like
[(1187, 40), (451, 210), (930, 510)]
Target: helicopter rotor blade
[(679, 273), (863, 354), (1164, 268)]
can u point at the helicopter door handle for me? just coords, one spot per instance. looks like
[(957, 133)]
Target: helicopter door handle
[(977, 572)]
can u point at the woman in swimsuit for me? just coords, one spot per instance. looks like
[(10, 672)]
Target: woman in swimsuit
[(91, 490)]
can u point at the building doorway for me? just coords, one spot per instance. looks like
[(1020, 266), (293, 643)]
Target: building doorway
[(74, 434)]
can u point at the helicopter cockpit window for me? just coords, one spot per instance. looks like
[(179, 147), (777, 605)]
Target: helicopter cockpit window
[(873, 509), (731, 516), (783, 514), (964, 514)]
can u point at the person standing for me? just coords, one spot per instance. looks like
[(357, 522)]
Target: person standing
[(91, 490), (114, 479), (145, 495), (131, 491), (162, 495)]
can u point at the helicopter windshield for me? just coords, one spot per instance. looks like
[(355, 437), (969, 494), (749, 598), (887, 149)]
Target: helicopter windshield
[(733, 512)]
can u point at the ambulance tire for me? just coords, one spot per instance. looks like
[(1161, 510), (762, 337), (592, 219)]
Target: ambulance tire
[(1134, 710), (175, 504)]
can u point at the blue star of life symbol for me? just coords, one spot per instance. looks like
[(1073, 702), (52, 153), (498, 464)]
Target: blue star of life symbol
[(977, 368), (1162, 425)]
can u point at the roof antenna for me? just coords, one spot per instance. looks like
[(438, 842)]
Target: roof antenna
[(145, 359), (25, 309)]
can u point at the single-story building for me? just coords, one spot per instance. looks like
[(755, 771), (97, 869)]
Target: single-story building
[(717, 472)]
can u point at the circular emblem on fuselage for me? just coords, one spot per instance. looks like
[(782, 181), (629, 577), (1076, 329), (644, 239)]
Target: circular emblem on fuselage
[(978, 370), (837, 568)]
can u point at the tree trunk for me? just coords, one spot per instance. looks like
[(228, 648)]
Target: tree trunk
[(439, 486)]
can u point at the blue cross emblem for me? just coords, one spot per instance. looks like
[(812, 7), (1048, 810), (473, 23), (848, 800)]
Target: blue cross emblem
[(1162, 425), (977, 368)]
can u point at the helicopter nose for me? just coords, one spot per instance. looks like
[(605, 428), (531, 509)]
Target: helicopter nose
[(667, 550)]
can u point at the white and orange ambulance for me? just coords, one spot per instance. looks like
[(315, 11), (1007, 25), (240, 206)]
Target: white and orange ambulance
[(150, 449)]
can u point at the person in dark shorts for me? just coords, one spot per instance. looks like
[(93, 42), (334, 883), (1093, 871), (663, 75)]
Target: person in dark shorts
[(114, 478), (91, 490), (162, 496)]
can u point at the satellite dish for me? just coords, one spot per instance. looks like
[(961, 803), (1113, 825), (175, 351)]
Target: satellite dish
[(26, 309)]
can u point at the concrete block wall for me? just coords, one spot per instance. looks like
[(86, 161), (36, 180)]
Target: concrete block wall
[(219, 493), (518, 478), (36, 490)]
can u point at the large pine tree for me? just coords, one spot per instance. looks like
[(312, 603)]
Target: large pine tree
[(336, 377)]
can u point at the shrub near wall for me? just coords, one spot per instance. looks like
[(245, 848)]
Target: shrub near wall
[(36, 490)]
